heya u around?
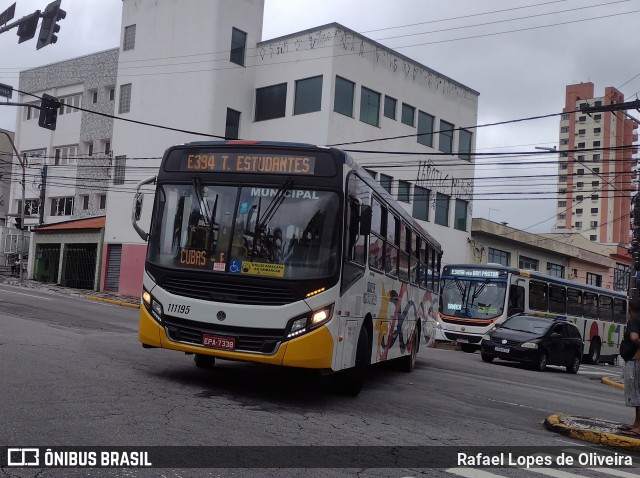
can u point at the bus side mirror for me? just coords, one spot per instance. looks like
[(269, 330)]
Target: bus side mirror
[(139, 199), (365, 220)]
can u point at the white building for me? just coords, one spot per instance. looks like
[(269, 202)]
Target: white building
[(201, 67)]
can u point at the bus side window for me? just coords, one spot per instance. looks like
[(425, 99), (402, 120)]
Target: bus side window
[(356, 242), (605, 309), (376, 241), (538, 296), (574, 302), (557, 299), (516, 300), (591, 305), (619, 311)]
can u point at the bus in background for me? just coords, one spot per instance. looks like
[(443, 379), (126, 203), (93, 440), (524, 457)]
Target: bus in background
[(476, 297), (286, 254)]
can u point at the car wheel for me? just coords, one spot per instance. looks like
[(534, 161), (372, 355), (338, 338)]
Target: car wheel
[(486, 357), (574, 366), (204, 361), (594, 351), (542, 362), (468, 348)]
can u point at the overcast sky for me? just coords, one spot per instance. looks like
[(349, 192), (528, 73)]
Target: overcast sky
[(518, 54)]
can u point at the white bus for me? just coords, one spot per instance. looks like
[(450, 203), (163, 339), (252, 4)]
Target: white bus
[(284, 254), (476, 297)]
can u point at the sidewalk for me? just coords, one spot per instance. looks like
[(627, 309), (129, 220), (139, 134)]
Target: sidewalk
[(594, 430), (110, 297)]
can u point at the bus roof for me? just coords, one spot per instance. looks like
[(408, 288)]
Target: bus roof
[(538, 275)]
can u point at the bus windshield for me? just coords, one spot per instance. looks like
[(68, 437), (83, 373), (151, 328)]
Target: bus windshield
[(472, 298), (277, 231)]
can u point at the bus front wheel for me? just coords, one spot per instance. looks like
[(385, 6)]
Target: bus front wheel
[(350, 381), (408, 362), (594, 351)]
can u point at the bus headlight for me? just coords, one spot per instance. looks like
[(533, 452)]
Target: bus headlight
[(152, 305), (146, 298), (308, 322), (529, 345)]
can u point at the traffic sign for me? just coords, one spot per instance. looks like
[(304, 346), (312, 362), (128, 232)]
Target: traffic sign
[(7, 14), (6, 90)]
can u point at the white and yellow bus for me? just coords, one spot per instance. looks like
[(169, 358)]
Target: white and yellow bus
[(476, 297), (285, 254)]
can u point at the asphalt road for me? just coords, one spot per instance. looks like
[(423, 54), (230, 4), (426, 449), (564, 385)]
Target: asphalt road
[(73, 374)]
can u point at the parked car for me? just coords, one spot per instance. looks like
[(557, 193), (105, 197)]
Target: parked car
[(538, 341)]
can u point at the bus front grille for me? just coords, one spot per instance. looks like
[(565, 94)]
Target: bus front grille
[(247, 339), (218, 291)]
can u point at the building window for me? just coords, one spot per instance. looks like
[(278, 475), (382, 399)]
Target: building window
[(238, 46), (621, 278), (94, 96), (31, 207), (562, 178), (597, 130), (595, 197), (88, 148), (565, 116), (562, 190), (85, 202), (343, 100), (561, 217), (497, 256), (385, 182), (562, 203), (593, 237), (595, 183), (528, 263), (408, 115), (580, 172), (578, 211), (232, 124), (390, 107), (582, 131), (102, 201), (564, 141), (564, 129), (581, 157), (582, 119), (425, 128), (594, 210), (445, 141), (31, 112), (369, 106), (271, 102), (112, 94), (460, 215), (597, 117), (404, 189), (421, 203), (464, 144), (107, 147), (66, 155), (579, 184), (596, 170), (129, 41), (596, 144), (578, 198), (119, 168), (594, 279), (563, 165), (578, 225), (308, 96), (593, 224), (555, 270), (581, 145), (70, 104), (596, 157), (62, 206), (124, 105), (442, 210)]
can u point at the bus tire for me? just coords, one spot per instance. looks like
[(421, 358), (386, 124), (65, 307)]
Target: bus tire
[(350, 381), (205, 362), (408, 362), (574, 365), (468, 348), (486, 357), (594, 351)]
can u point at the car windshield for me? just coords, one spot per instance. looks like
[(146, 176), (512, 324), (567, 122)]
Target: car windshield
[(280, 231), (527, 323), (472, 298)]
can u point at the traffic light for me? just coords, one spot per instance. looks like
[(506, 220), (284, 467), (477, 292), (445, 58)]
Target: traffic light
[(48, 112), (28, 26), (52, 14)]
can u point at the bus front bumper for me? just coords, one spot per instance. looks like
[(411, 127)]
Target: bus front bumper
[(311, 350)]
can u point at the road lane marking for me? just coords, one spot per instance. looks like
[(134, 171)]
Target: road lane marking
[(589, 372), (612, 472), (28, 295), (552, 472), (472, 473)]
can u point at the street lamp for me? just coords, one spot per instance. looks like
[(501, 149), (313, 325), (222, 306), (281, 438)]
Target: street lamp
[(23, 165)]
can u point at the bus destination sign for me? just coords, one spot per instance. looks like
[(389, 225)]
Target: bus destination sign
[(230, 162), (474, 272)]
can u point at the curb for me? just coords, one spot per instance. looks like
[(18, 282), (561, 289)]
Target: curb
[(113, 301), (554, 423), (612, 383)]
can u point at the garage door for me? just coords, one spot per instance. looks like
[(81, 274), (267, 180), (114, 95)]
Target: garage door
[(113, 267)]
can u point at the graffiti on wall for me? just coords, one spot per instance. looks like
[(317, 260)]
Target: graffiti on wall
[(430, 177)]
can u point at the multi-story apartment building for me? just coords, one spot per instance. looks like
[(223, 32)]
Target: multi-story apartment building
[(67, 170), (596, 156), (9, 235), (202, 67)]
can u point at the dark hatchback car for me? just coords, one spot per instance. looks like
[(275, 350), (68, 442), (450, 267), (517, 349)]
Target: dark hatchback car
[(538, 341)]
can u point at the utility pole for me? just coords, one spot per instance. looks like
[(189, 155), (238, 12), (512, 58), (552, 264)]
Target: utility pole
[(23, 165)]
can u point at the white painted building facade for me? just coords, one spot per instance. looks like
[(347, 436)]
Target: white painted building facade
[(326, 86)]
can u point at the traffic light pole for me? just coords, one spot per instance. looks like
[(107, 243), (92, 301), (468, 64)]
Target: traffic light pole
[(23, 165)]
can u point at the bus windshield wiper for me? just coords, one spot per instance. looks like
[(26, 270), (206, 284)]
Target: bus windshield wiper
[(212, 223), (275, 204), (202, 204), (479, 290)]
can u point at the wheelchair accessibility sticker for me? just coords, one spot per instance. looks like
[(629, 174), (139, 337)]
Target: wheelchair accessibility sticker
[(235, 266)]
